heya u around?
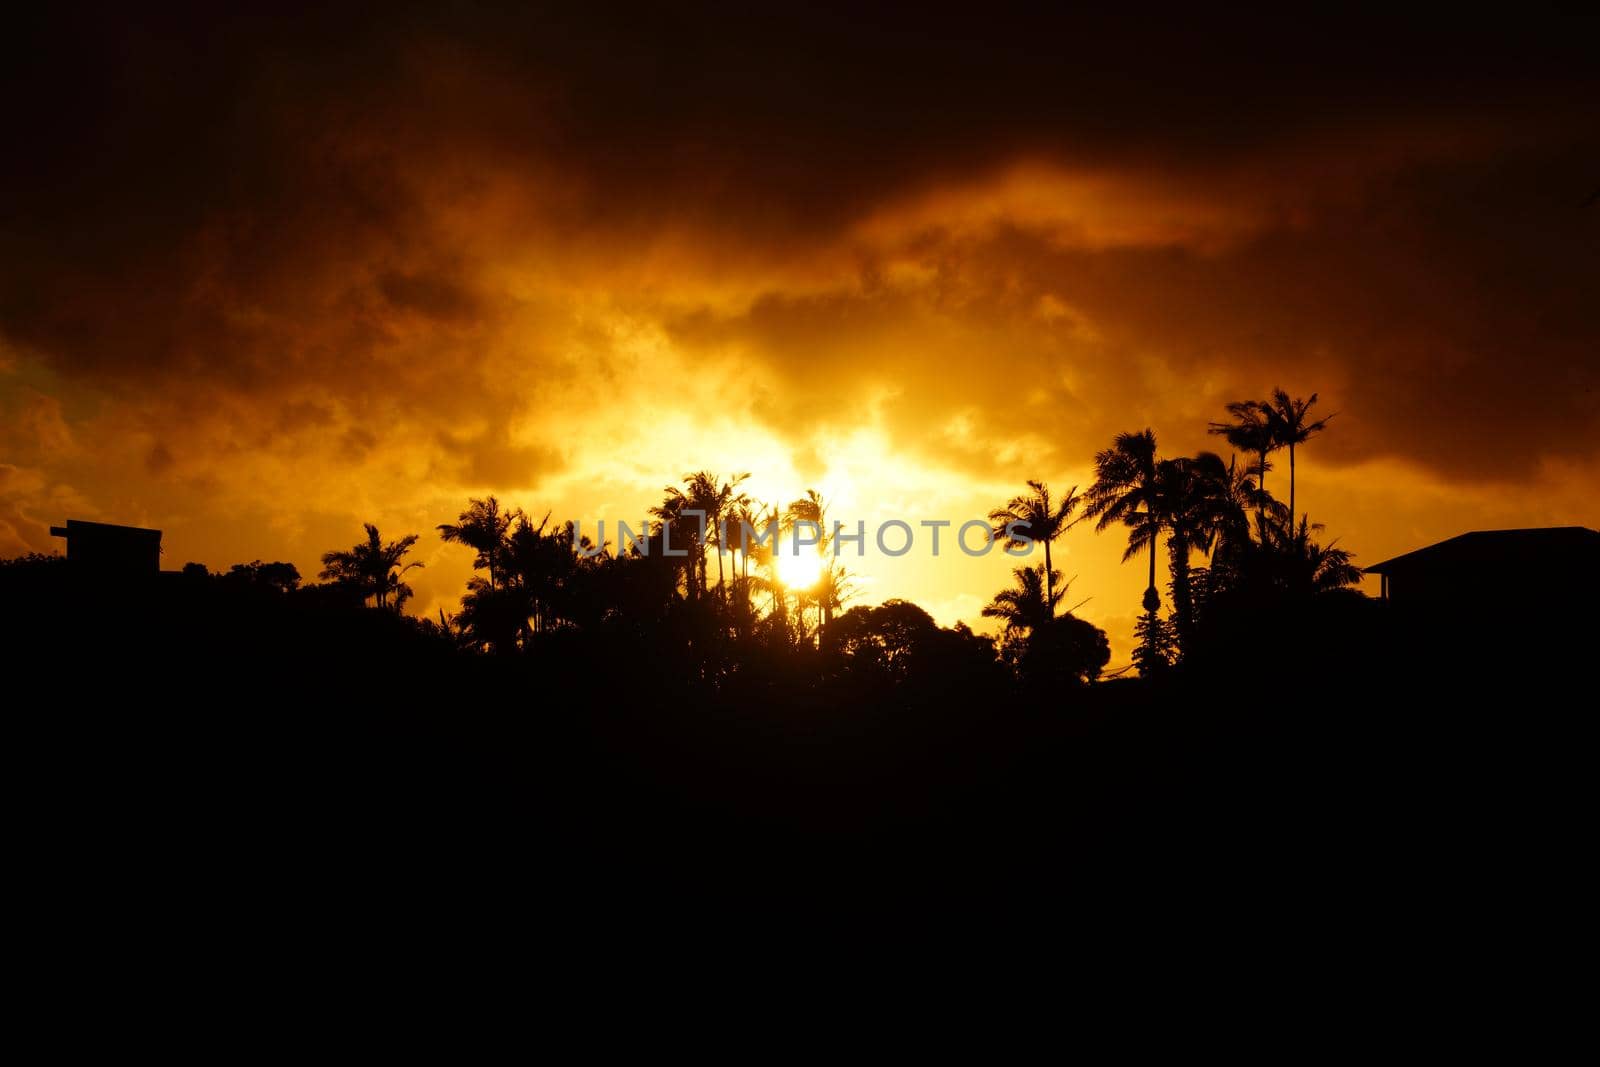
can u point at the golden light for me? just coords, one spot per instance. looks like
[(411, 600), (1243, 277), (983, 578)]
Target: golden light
[(799, 571)]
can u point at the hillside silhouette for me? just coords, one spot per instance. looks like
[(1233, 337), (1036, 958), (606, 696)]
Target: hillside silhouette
[(609, 729)]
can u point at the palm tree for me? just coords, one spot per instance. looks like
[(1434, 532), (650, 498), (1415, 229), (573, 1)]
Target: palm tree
[(1244, 493), (482, 527), (1043, 521), (1196, 504), (1236, 496), (678, 526), (741, 537), (812, 508), (1302, 566), (1287, 424), (719, 500), (834, 588), (1231, 550), (1029, 605), (765, 552), (493, 618), (535, 562), (1250, 432), (373, 568), (1126, 491)]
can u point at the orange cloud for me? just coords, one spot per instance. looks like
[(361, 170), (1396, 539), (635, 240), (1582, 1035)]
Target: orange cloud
[(274, 291)]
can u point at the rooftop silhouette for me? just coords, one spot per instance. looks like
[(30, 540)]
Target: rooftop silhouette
[(1537, 565), (124, 549)]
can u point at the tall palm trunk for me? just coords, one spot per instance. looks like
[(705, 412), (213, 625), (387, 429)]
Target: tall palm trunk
[(1049, 582), (1152, 559), (722, 588), (692, 569), (1152, 598), (1261, 491), (1291, 484)]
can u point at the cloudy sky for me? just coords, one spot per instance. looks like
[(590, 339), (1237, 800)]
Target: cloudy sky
[(264, 277)]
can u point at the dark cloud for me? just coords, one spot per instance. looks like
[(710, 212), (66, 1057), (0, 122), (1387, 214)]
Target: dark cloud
[(434, 296), (339, 233)]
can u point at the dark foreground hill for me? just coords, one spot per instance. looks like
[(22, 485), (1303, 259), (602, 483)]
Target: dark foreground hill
[(193, 754)]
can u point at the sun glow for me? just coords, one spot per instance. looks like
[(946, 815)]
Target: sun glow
[(799, 571)]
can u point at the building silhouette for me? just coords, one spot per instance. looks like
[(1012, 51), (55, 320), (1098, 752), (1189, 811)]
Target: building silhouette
[(1554, 570), (123, 550)]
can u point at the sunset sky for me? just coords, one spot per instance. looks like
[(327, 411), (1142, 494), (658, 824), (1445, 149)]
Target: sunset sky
[(265, 277)]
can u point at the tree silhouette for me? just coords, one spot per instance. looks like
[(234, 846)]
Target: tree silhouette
[(1045, 650), (1157, 646), (881, 639), (1300, 566), (1288, 425), (1029, 604), (684, 532), (493, 619), (834, 587), (1250, 432), (1065, 652), (720, 501), (1044, 522), (373, 568), (533, 570), (1196, 504), (1126, 491), (765, 553), (1244, 495), (812, 508), (742, 532), (275, 577), (543, 581), (481, 527)]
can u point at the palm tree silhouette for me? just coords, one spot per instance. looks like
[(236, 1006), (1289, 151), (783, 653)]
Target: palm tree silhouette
[(373, 568), (1244, 494), (833, 589), (482, 527), (1126, 491), (1250, 432), (684, 530), (534, 563), (1044, 522), (1288, 426), (765, 553), (1301, 566), (1196, 504), (719, 500), (493, 618), (1027, 606), (812, 508), (742, 533)]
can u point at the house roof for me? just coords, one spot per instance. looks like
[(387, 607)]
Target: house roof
[(103, 529), (1487, 546)]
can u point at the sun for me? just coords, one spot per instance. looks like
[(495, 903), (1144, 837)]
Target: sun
[(799, 570)]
